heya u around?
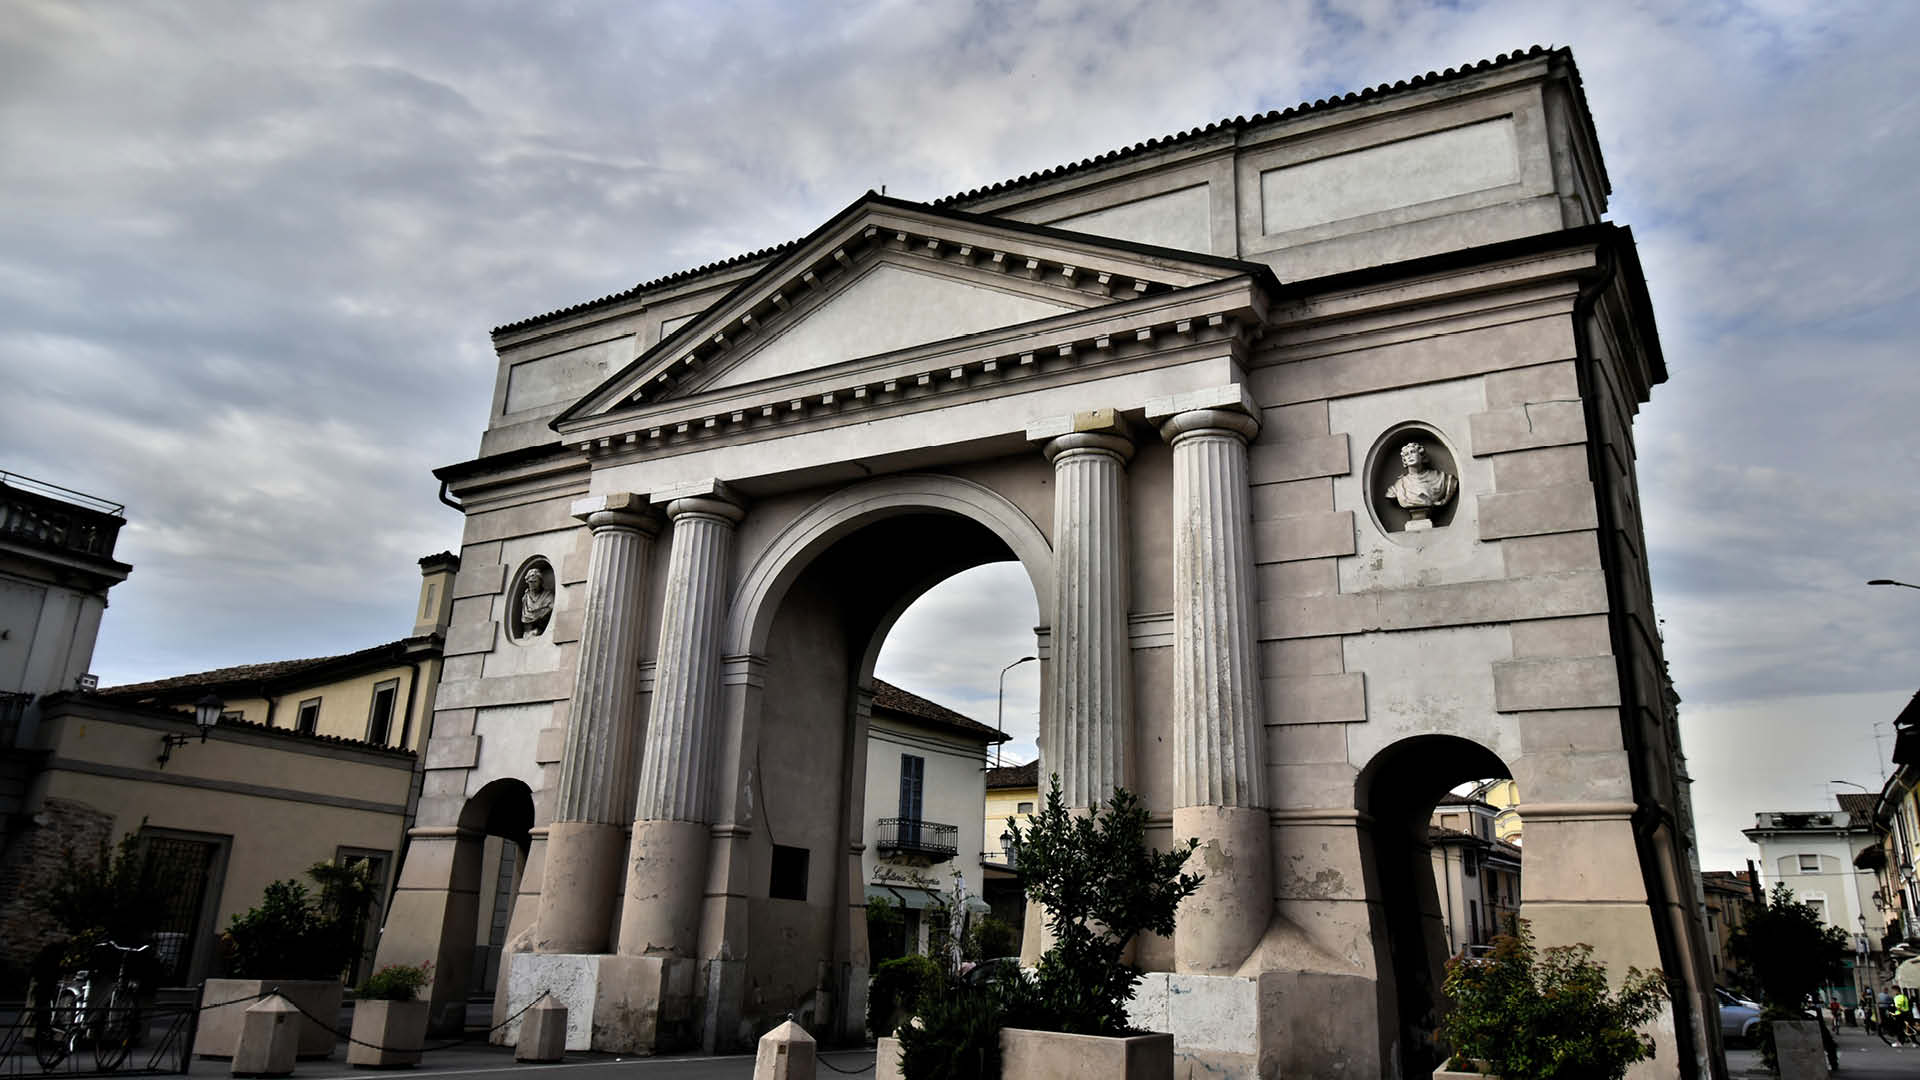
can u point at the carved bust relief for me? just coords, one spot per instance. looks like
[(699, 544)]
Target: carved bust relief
[(530, 607), (1420, 486), (1413, 483)]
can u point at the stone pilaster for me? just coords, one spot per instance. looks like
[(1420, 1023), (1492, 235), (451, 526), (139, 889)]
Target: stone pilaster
[(1090, 708), (666, 874), (575, 913), (1218, 736)]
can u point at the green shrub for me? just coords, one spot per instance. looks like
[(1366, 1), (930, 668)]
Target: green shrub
[(955, 1033), (396, 982), (1548, 1014), (297, 934), (1101, 886), (897, 989), (990, 938)]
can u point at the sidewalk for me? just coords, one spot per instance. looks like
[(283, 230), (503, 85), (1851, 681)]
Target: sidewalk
[(1862, 1057)]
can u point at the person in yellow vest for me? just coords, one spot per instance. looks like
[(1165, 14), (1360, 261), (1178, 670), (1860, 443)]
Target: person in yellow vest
[(1902, 1015)]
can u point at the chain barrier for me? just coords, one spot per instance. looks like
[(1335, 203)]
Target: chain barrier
[(348, 1036)]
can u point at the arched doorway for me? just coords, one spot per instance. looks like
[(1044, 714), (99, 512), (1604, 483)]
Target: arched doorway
[(492, 833), (817, 609), (1399, 790)]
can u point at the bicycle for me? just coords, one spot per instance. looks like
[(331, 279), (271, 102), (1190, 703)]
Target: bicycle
[(73, 1016)]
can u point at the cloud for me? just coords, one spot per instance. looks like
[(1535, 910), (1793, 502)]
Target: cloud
[(250, 252)]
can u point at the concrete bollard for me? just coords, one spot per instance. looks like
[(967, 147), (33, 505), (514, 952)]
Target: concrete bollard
[(886, 1059), (269, 1038), (543, 1033), (786, 1053)]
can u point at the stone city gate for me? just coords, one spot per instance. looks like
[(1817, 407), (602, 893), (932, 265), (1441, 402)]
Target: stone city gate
[(1313, 435)]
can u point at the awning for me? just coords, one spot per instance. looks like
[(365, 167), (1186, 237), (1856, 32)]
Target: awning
[(1908, 974), (905, 895)]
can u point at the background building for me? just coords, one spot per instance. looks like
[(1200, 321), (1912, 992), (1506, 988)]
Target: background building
[(1475, 871), (312, 760), (926, 781), (1814, 853), (1729, 896)]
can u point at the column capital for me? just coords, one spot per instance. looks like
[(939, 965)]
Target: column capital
[(711, 498), (617, 509), (1228, 422), (1082, 443)]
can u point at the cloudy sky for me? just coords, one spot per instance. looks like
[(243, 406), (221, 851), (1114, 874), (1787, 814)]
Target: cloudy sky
[(250, 252)]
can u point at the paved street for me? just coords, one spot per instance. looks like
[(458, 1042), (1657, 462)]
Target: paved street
[(1862, 1057), (497, 1063)]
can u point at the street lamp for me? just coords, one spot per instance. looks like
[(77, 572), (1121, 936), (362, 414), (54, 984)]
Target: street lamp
[(1890, 581), (999, 710), (206, 713)]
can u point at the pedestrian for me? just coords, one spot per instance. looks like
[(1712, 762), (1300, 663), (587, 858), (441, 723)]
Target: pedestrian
[(1833, 1006), (1902, 1013)]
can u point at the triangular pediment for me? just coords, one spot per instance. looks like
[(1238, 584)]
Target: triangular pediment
[(885, 276), (887, 306)]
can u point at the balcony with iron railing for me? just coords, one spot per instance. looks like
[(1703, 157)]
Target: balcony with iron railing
[(912, 836), (42, 515)]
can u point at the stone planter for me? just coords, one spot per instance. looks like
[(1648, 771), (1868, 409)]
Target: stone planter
[(1471, 1069), (398, 1029), (219, 1030), (1052, 1055)]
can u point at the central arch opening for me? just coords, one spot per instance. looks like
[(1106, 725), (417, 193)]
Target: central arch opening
[(867, 787)]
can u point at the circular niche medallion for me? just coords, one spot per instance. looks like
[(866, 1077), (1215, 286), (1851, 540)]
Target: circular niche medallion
[(1413, 482), (530, 603)]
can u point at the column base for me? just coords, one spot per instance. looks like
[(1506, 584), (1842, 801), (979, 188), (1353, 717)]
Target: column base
[(617, 1004), (666, 878), (1276, 1023), (581, 877), (1222, 922)]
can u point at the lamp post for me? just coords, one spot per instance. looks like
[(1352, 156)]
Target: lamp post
[(1000, 708), (1890, 581), (206, 714)]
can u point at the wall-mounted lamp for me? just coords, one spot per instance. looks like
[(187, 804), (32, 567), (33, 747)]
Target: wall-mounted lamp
[(206, 713)]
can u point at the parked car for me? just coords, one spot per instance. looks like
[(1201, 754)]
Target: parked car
[(1739, 1018)]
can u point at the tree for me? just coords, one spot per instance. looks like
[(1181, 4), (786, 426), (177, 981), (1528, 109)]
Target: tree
[(1790, 951)]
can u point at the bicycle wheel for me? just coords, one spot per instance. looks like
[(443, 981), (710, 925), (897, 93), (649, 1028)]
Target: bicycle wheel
[(117, 1026), (56, 1039)]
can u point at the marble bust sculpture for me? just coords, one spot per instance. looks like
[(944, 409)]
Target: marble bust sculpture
[(1421, 487), (535, 606)]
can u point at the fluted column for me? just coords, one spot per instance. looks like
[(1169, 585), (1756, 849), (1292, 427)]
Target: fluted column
[(1218, 737), (666, 876), (575, 914), (1090, 713)]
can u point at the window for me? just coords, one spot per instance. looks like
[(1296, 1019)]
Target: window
[(380, 717), (1024, 808), (913, 780), (375, 863), (1809, 864), (309, 721), (232, 716), (1818, 904), (788, 881)]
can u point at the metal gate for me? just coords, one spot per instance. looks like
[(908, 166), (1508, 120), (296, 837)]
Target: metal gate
[(141, 1040), (176, 874)]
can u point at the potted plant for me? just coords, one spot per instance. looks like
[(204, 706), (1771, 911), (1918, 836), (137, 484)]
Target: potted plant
[(389, 1020), (297, 941), (1101, 886), (1525, 1014)]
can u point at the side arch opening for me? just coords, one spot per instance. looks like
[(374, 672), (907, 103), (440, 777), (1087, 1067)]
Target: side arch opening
[(1446, 880)]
